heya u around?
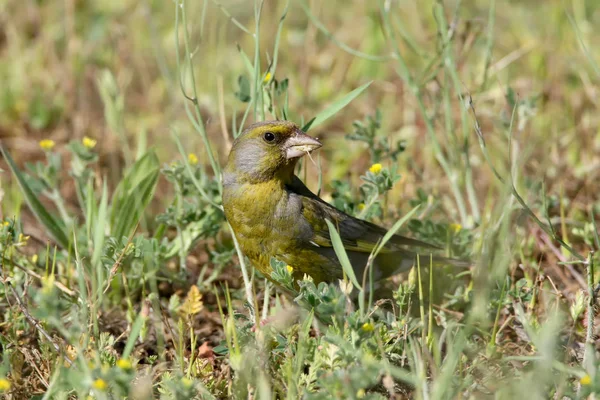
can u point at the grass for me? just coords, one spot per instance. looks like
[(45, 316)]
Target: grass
[(472, 126)]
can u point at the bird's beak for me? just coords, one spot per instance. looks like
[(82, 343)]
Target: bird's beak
[(299, 145)]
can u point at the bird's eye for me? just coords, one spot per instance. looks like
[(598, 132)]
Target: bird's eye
[(269, 136)]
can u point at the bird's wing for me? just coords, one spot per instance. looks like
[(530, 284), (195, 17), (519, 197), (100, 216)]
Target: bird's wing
[(356, 234)]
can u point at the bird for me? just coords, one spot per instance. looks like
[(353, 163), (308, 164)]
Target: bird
[(274, 215)]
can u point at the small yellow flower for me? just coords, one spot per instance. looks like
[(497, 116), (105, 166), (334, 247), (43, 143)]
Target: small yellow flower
[(47, 144), (267, 78), (361, 206), (360, 394), (193, 159), (124, 363), (23, 238), (375, 168), (6, 223), (290, 269), (455, 227), (4, 384), (585, 380), (100, 384), (34, 258), (89, 142), (368, 327)]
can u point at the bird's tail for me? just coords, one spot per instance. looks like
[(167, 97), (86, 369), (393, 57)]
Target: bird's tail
[(393, 263), (438, 261)]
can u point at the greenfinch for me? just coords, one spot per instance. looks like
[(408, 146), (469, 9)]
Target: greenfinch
[(273, 214)]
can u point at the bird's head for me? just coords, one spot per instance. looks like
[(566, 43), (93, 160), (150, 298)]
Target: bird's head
[(268, 150)]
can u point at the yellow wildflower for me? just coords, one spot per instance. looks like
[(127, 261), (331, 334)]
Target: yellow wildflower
[(456, 227), (193, 159), (34, 258), (47, 144), (368, 327), (361, 206), (267, 78), (360, 394), (6, 223), (100, 384), (585, 380), (4, 384), (290, 269), (124, 363), (375, 168), (89, 142), (23, 238)]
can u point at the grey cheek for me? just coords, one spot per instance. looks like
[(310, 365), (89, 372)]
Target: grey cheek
[(228, 179), (248, 157)]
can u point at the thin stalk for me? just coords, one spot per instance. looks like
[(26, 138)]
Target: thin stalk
[(265, 309), (589, 336), (197, 121), (339, 44), (278, 38), (245, 277), (450, 66), (489, 44), (430, 316), (404, 73), (232, 18), (257, 89), (421, 301), (179, 201), (492, 343)]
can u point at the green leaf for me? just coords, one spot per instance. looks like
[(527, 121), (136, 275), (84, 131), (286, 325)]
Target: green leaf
[(136, 328), (341, 254), (335, 107), (53, 227), (244, 93), (133, 194), (394, 229), (100, 226)]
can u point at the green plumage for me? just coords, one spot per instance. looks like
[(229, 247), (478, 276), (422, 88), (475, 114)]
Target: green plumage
[(273, 214)]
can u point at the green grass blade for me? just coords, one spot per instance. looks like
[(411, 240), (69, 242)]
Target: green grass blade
[(133, 194), (53, 227), (91, 207), (392, 231), (335, 107), (136, 328), (100, 226), (341, 254)]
